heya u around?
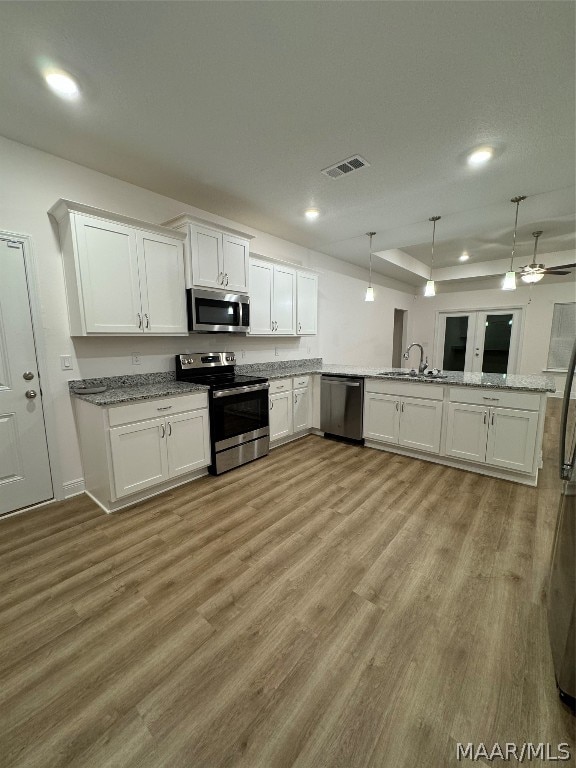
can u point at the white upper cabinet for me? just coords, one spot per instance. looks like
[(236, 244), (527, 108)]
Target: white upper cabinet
[(217, 256), (261, 282), (206, 251), (306, 304), (162, 289), (283, 302), (123, 276), (235, 252)]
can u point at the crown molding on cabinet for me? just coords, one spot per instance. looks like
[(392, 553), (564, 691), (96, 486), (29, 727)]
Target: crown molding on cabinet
[(185, 218), (63, 208)]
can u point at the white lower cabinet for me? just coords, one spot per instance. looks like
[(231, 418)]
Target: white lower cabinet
[(139, 457), (188, 442), (132, 450), (420, 424), (150, 452), (511, 439), (281, 415), (381, 417), (302, 412), (502, 437), (409, 422), (466, 431)]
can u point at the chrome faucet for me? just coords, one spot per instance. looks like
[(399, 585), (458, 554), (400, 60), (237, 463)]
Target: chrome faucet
[(423, 364)]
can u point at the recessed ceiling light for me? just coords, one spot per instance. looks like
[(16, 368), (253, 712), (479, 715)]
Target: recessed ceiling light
[(479, 156), (465, 256), (62, 84), (312, 214)]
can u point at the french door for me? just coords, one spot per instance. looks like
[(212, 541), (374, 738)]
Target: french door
[(485, 341)]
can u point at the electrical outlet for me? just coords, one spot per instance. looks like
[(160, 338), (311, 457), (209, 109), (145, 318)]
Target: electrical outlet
[(276, 351), (242, 353), (66, 363), (136, 359)]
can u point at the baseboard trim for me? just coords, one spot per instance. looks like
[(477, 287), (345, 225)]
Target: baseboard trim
[(73, 488)]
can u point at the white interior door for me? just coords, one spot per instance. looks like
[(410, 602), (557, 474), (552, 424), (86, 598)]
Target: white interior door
[(483, 341), (24, 466)]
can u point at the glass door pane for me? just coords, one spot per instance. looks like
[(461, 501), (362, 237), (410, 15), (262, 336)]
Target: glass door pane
[(497, 335), (455, 343)]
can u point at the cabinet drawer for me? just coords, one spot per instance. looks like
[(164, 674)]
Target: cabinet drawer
[(301, 382), (405, 389), (280, 385), (526, 401), (150, 409)]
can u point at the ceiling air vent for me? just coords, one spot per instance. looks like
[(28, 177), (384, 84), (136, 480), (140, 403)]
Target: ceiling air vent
[(353, 163)]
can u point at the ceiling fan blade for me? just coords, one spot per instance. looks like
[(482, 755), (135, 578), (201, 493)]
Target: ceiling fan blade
[(556, 272), (561, 266)]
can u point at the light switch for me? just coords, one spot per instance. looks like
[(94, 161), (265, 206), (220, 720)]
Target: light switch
[(66, 363)]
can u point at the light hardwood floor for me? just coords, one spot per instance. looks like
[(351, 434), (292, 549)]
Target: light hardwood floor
[(327, 606)]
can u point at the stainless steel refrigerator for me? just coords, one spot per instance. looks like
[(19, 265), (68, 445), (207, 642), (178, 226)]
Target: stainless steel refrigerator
[(562, 587)]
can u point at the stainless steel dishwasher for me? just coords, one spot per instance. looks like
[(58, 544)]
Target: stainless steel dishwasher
[(341, 406)]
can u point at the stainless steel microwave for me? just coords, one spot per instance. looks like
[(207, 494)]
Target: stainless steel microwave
[(217, 311)]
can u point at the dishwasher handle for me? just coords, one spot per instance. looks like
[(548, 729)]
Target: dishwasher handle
[(344, 382)]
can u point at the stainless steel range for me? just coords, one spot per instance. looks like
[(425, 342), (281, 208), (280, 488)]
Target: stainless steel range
[(239, 426)]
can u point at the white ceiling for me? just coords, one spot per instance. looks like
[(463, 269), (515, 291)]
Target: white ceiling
[(235, 107)]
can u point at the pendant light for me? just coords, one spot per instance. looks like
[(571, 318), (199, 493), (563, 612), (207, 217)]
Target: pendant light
[(430, 289), (509, 283), (370, 291), (534, 272)]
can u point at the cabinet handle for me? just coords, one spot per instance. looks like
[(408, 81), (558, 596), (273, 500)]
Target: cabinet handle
[(485, 414), (220, 278), (397, 405), (169, 429), (163, 428), (139, 320), (295, 399), (271, 403), (226, 278), (299, 327), (492, 422), (402, 407), (495, 399), (147, 321), (165, 408)]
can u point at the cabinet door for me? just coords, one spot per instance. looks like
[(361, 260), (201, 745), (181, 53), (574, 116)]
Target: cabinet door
[(188, 442), (163, 287), (280, 415), (302, 410), (261, 279), (466, 432), (512, 439), (206, 248), (284, 301), (381, 417), (420, 424), (109, 281), (306, 304), (235, 263), (139, 457)]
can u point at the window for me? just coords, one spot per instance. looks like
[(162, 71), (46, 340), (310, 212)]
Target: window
[(562, 336)]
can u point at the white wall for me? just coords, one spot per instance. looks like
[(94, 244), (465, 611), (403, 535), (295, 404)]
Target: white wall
[(350, 330), (537, 304)]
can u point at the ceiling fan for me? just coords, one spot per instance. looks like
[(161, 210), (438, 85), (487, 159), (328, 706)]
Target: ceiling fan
[(534, 272)]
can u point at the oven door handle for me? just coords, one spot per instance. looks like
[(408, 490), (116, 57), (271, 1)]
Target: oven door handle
[(240, 390)]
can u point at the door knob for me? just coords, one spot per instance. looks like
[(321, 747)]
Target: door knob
[(31, 394), (28, 375)]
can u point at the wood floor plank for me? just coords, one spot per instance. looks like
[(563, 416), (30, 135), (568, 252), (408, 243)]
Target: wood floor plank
[(329, 606)]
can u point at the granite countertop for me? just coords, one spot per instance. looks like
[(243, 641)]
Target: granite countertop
[(515, 382), (127, 389)]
